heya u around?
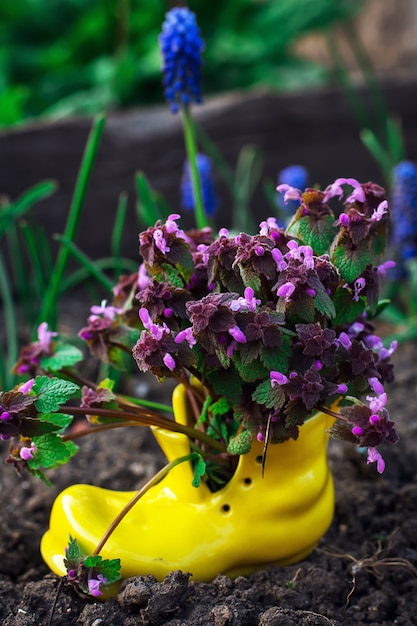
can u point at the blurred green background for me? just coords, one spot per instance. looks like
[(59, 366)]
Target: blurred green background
[(66, 57)]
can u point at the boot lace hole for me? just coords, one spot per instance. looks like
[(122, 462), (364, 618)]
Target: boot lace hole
[(225, 508)]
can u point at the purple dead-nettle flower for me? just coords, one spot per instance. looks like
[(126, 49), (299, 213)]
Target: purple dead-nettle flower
[(279, 259), (385, 353), (277, 378), (377, 403), (144, 279), (237, 334), (344, 340), (186, 335), (376, 385), (108, 312), (290, 193), (94, 585), (373, 341), (247, 303), (384, 267), (27, 452), (358, 286), (45, 337), (223, 232), (26, 387), (155, 329), (375, 457), (286, 290), (355, 329), (380, 211), (160, 241), (300, 253), (267, 226), (335, 189)]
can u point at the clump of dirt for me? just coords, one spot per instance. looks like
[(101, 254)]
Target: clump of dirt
[(362, 572)]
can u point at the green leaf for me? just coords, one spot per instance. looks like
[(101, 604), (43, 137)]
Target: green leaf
[(65, 355), (229, 385), (250, 278), (220, 407), (277, 358), (51, 451), (199, 470), (273, 397), (52, 393), (324, 304), (251, 372), (347, 309), (240, 443), (110, 569), (61, 420), (30, 427), (317, 233), (351, 262), (73, 554)]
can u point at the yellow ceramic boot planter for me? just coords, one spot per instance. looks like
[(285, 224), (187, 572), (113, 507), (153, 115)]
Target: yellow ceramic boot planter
[(251, 522)]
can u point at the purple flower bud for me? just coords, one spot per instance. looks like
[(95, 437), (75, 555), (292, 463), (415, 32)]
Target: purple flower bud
[(27, 386), (357, 431), (5, 416), (237, 334), (310, 292), (376, 385), (344, 219), (72, 573), (318, 365), (260, 437), (342, 388), (344, 340), (374, 419), (4, 437), (169, 361), (22, 369), (168, 312), (259, 251)]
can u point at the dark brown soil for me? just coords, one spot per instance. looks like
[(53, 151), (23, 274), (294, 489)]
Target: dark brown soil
[(363, 571)]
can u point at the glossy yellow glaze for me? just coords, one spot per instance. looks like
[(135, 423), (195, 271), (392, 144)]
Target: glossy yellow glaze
[(251, 522)]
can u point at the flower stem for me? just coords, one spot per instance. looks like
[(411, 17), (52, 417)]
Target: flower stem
[(151, 483), (148, 418), (191, 148)]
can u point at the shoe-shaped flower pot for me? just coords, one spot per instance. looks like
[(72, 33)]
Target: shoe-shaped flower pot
[(252, 522)]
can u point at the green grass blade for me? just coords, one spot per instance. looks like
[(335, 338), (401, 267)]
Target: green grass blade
[(19, 207), (87, 263), (10, 328), (381, 156), (146, 207), (48, 309), (248, 174), (116, 238), (107, 263), (32, 246), (221, 165)]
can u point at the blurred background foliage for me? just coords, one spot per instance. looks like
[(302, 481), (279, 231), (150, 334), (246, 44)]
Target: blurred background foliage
[(78, 57)]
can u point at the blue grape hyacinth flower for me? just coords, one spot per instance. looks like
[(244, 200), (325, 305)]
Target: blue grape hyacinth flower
[(181, 47), (205, 170), (295, 176), (404, 212)]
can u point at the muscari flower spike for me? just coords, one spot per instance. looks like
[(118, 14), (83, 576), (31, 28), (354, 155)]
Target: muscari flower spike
[(210, 199), (181, 48), (404, 211)]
